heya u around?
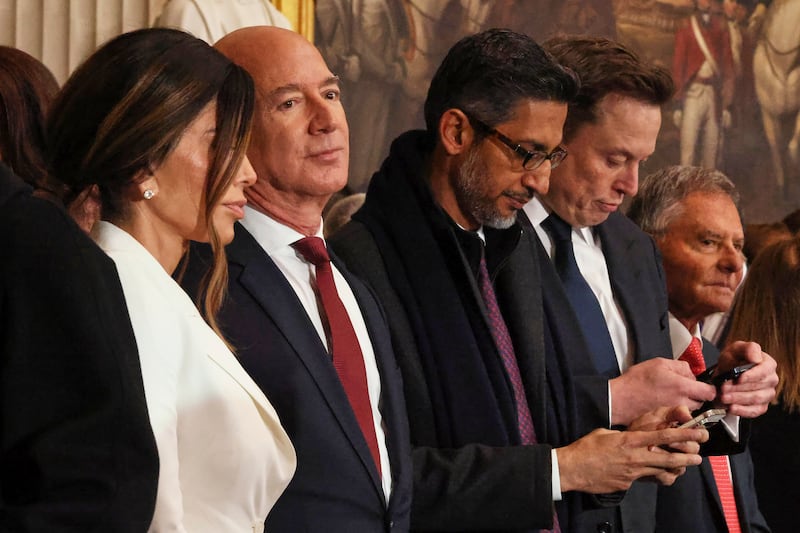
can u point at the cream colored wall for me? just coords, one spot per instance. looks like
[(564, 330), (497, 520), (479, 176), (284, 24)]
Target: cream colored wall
[(62, 33)]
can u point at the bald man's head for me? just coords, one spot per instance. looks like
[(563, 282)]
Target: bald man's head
[(299, 145), (256, 47)]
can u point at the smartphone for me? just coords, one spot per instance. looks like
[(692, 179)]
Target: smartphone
[(710, 375), (704, 419)]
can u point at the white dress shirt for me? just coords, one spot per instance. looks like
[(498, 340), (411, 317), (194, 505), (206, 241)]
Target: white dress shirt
[(276, 240), (592, 264), (224, 458)]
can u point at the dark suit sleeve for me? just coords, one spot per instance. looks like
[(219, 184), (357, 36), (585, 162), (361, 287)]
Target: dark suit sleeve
[(591, 396), (479, 488), (76, 449)]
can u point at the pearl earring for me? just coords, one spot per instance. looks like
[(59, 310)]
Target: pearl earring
[(148, 194)]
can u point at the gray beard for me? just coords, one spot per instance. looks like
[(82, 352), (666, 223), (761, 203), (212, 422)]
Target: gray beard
[(471, 196)]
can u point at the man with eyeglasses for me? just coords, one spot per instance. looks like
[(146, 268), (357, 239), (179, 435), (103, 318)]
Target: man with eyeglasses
[(491, 410), (614, 286)]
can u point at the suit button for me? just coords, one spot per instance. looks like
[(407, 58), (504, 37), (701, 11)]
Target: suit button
[(391, 524), (605, 527)]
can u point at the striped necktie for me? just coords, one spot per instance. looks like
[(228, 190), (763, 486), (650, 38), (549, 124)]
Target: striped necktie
[(720, 465)]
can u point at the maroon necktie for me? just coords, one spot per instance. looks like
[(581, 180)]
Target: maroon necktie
[(505, 347), (502, 339), (719, 463), (345, 350)]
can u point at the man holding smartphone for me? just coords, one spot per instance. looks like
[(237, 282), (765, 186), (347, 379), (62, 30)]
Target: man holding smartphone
[(620, 351), (692, 214)]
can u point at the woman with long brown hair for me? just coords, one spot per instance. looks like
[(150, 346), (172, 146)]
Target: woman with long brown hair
[(767, 311), (159, 122), (27, 88)]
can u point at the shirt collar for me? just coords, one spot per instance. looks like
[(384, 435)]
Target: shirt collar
[(537, 212), (680, 337), (495, 244), (479, 232), (274, 237)]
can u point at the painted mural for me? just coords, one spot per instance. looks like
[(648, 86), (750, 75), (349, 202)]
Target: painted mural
[(736, 64)]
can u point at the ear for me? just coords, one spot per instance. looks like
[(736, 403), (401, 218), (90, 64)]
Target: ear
[(456, 133)]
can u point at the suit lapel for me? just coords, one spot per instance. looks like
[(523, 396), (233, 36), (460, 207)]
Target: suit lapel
[(744, 510), (268, 286), (624, 261), (711, 485), (622, 271), (384, 358)]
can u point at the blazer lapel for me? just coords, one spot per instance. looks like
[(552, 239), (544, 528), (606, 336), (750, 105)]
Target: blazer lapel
[(268, 286), (225, 360), (624, 261)]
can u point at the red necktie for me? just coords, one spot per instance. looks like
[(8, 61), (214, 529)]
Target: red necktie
[(345, 350), (719, 463), (505, 347)]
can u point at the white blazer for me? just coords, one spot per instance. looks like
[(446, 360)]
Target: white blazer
[(224, 457)]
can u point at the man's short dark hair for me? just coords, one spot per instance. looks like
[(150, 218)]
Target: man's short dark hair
[(605, 67), (487, 74)]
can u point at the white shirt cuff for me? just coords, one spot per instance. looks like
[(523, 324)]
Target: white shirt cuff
[(556, 476)]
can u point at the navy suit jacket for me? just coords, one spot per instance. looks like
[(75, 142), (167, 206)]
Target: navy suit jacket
[(692, 503), (336, 487), (639, 285), (631, 256), (638, 282)]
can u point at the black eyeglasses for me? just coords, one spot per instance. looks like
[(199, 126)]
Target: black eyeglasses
[(530, 160)]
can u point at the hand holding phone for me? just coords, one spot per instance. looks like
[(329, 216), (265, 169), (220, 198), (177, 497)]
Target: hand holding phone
[(705, 419), (711, 376)]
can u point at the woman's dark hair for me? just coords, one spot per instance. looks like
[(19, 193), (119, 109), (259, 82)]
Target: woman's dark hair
[(124, 110), (27, 89), (765, 311)]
